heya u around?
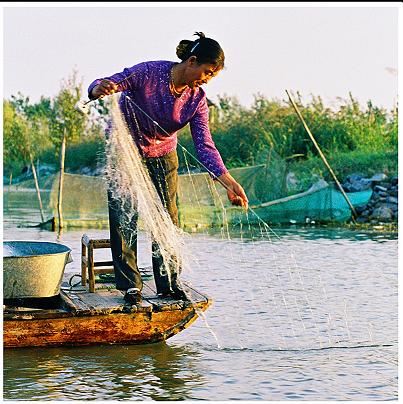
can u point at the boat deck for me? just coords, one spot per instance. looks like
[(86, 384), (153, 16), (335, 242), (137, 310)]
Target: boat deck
[(76, 300)]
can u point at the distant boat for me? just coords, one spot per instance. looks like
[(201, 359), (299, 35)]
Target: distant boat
[(320, 204)]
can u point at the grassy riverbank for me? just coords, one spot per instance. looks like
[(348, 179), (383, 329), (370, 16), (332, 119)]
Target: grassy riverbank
[(79, 160), (361, 162), (354, 139)]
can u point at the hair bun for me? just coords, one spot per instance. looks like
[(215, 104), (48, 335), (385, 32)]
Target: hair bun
[(182, 49), (205, 50), (200, 35)]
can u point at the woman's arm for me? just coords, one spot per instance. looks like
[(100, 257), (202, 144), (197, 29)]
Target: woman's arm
[(211, 158), (104, 87), (130, 78)]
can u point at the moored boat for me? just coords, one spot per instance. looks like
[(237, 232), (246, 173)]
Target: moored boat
[(201, 205), (320, 204)]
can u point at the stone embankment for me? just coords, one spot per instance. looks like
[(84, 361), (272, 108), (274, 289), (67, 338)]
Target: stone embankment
[(383, 205)]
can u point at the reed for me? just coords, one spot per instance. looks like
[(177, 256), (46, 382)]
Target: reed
[(242, 134)]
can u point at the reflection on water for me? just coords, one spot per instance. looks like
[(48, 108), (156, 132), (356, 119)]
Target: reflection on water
[(22, 207), (152, 372), (300, 313), (309, 232)]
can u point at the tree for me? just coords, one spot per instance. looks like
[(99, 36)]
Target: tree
[(65, 121), (66, 125), (23, 135)]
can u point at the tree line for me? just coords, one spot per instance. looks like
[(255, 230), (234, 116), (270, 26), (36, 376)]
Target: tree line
[(34, 131), (243, 135)]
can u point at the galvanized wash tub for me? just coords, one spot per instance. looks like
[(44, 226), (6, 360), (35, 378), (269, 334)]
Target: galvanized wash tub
[(33, 268)]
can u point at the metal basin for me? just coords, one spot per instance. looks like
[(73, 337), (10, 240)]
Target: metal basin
[(33, 268)]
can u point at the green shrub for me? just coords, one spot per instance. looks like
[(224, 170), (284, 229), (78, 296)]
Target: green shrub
[(88, 153), (243, 135), (343, 164)]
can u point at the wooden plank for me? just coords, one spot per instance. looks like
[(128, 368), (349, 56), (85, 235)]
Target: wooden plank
[(34, 309), (78, 305), (133, 328), (104, 302), (168, 303), (196, 295), (91, 275), (35, 314), (84, 263), (95, 243), (100, 244), (164, 304), (103, 270), (67, 302), (144, 306)]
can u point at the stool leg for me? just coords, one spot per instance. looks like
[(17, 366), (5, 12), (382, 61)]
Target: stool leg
[(83, 264), (91, 268)]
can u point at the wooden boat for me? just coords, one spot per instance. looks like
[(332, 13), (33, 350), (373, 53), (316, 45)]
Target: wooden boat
[(77, 317)]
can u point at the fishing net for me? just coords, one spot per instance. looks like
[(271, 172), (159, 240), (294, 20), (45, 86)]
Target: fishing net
[(201, 202), (257, 270)]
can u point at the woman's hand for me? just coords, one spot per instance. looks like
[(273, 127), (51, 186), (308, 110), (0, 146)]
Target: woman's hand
[(235, 192), (105, 87)]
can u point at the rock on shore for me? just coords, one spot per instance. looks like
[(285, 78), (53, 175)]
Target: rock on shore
[(383, 205)]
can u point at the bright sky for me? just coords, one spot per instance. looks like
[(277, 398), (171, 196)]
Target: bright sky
[(325, 49)]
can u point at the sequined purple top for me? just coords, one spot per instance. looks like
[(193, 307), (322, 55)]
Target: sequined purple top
[(147, 84)]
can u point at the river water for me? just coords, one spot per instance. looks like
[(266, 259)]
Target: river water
[(302, 313)]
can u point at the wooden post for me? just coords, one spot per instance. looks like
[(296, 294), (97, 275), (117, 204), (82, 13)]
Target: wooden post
[(61, 177), (11, 180), (38, 193), (323, 158), (91, 274), (84, 262)]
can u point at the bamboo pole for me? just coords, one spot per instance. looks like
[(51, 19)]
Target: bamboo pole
[(11, 180), (61, 177), (38, 193), (354, 213)]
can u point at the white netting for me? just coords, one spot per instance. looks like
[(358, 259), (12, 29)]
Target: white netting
[(130, 183)]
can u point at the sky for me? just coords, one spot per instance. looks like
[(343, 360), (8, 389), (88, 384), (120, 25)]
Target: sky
[(322, 49)]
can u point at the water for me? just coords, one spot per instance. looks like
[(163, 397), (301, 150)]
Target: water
[(308, 315)]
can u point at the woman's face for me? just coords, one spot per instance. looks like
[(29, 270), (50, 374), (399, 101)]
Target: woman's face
[(197, 75)]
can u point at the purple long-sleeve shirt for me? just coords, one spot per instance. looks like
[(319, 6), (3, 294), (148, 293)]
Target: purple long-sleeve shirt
[(147, 84)]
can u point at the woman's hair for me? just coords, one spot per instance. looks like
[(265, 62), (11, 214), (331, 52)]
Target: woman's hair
[(206, 50)]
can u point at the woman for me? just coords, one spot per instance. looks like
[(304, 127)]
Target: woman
[(171, 94)]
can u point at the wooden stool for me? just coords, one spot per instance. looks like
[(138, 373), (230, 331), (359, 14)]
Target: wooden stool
[(88, 246)]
